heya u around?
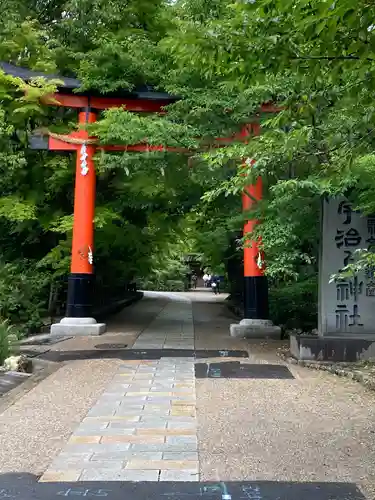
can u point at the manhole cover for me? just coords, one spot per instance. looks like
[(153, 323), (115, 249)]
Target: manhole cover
[(235, 369), (111, 346), (46, 340)]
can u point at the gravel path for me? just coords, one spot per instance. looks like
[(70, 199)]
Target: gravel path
[(316, 427), (36, 427)]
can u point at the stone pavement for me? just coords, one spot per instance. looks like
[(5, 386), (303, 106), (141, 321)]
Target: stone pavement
[(171, 329), (305, 436), (143, 426)]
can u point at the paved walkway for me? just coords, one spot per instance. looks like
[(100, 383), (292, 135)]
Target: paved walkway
[(292, 433), (171, 329), (143, 426)]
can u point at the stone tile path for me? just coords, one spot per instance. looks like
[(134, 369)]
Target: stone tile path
[(143, 427), (171, 329)]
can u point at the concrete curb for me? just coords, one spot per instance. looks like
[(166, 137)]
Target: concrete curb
[(333, 368), (43, 369)]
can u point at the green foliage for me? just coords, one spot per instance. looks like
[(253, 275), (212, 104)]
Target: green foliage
[(301, 56), (315, 60), (168, 270), (363, 260), (27, 44), (161, 284), (141, 199), (6, 335), (293, 305), (22, 295)]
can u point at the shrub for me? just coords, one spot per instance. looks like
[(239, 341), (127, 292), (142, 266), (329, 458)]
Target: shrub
[(163, 285), (175, 285), (6, 336), (23, 295), (295, 304)]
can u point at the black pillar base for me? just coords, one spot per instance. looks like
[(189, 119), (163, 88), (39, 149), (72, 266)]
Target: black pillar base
[(80, 295), (256, 297)]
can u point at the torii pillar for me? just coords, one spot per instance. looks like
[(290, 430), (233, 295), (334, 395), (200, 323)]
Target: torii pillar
[(78, 320), (256, 323)]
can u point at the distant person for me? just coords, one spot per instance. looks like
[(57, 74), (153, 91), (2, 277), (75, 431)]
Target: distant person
[(194, 279), (205, 279), (209, 279), (215, 284)]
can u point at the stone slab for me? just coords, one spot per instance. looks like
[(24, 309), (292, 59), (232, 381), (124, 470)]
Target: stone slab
[(79, 329), (235, 369), (119, 475), (20, 486), (333, 348), (179, 475), (255, 331), (136, 354), (44, 339)]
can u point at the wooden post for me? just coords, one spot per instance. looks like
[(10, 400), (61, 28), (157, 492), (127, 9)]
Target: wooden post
[(255, 282), (80, 285)]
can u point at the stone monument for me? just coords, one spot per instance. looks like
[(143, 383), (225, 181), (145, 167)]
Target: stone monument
[(346, 308)]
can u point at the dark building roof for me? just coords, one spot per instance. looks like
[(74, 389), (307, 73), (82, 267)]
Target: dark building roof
[(72, 84), (27, 74)]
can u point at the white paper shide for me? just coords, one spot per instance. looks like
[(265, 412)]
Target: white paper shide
[(83, 158)]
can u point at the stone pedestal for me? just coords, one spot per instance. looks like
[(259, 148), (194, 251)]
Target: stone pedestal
[(78, 327), (335, 348), (255, 329)]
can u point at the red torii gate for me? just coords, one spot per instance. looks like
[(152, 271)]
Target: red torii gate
[(78, 320)]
